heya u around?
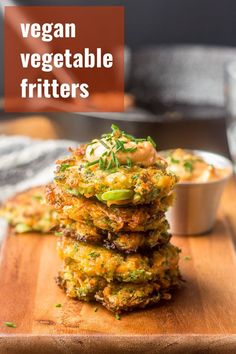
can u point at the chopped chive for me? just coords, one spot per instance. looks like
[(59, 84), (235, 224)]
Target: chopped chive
[(140, 140), (109, 165), (117, 317), (132, 149), (119, 145), (91, 151), (173, 160), (188, 166), (94, 255), (115, 145), (64, 166), (88, 164), (104, 144), (114, 128), (151, 141), (187, 258), (101, 163), (58, 305), (10, 324), (76, 248), (131, 137), (113, 157), (92, 142), (129, 162), (117, 162), (95, 309)]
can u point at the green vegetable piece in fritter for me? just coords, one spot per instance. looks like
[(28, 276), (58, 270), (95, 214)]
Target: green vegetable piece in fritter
[(10, 324), (21, 228), (58, 305), (118, 194)]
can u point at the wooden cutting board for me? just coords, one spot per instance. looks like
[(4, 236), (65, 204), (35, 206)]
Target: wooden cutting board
[(201, 317)]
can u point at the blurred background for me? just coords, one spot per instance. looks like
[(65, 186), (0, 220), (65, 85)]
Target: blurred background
[(175, 59)]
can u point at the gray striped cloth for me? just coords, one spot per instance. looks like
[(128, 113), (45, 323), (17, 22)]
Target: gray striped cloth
[(26, 163)]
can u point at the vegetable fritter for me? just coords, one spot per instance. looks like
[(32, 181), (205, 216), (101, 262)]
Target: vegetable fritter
[(111, 196), (79, 286), (93, 261), (117, 296), (117, 169), (28, 211), (123, 241), (114, 218)]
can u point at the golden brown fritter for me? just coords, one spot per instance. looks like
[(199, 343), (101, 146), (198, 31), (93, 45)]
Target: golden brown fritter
[(112, 218), (145, 184), (116, 296), (116, 169), (79, 286), (95, 261), (119, 297), (28, 211), (122, 241)]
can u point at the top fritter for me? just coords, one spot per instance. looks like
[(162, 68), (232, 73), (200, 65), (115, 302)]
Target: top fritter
[(116, 169)]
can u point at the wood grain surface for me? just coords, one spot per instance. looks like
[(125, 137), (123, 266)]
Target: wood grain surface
[(200, 318)]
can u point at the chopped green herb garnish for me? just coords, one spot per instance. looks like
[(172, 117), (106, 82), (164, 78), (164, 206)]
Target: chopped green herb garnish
[(94, 254), (95, 309), (63, 167), (119, 145), (117, 317), (109, 165), (101, 164), (188, 166), (114, 142), (91, 152), (10, 324), (76, 248), (92, 163), (140, 140), (131, 137), (187, 258), (58, 305), (151, 141), (131, 149), (104, 144), (173, 160), (129, 162), (114, 128), (115, 159)]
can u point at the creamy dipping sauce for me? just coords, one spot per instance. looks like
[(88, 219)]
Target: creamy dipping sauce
[(190, 167), (142, 153)]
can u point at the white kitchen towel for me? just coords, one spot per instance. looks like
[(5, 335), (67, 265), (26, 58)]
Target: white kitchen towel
[(25, 163)]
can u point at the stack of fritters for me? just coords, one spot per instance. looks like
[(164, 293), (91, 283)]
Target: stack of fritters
[(114, 235)]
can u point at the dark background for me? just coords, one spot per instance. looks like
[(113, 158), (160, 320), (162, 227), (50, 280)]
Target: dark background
[(164, 21), (170, 21)]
